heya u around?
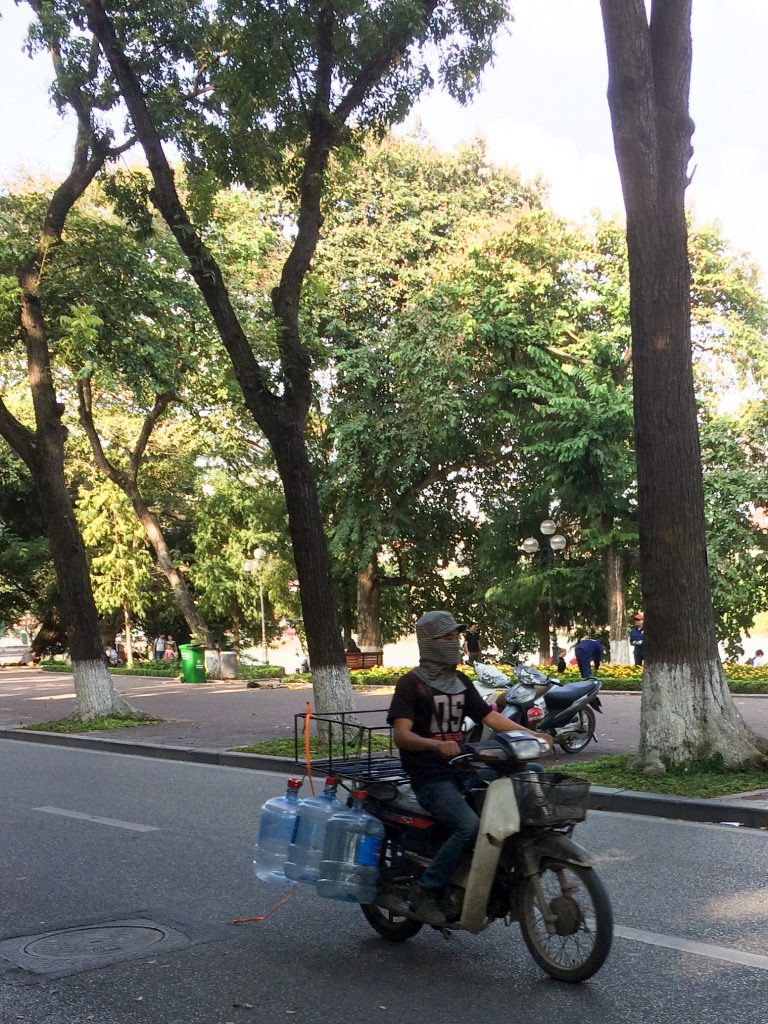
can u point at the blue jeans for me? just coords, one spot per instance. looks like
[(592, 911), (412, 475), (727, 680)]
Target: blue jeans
[(584, 661), (445, 800)]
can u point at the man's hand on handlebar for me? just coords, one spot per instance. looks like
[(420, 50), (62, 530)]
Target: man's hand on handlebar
[(447, 748)]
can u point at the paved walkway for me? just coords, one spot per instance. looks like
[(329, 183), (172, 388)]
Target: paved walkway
[(220, 715)]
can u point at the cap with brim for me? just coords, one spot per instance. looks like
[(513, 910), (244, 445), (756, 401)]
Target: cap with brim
[(640, 617), (434, 624)]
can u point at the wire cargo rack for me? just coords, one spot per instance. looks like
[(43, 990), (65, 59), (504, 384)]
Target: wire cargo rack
[(350, 749)]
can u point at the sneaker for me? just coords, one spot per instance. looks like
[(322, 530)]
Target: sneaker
[(426, 903), (451, 902)]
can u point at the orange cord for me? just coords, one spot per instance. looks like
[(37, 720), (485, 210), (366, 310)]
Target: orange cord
[(269, 913), (307, 755), (294, 888)]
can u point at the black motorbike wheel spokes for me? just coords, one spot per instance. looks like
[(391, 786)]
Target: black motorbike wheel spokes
[(574, 742), (575, 942)]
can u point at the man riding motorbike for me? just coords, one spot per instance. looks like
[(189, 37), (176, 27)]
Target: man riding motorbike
[(427, 711)]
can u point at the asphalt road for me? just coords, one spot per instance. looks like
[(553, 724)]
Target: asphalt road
[(91, 838)]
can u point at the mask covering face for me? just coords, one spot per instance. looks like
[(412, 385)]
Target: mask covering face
[(438, 659)]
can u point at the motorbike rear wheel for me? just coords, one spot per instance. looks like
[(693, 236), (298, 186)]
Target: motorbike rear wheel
[(389, 925), (577, 943), (573, 742)]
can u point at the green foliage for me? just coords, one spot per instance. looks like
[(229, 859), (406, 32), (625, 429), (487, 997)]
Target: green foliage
[(735, 454), (235, 515), (260, 671), (121, 569), (26, 572)]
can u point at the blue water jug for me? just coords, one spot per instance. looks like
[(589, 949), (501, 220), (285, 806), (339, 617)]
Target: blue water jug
[(306, 849), (349, 869), (278, 817)]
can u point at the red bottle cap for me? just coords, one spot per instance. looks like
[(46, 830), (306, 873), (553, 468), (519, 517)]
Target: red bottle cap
[(294, 783)]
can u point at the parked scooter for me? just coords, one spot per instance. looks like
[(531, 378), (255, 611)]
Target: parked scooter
[(525, 867), (543, 703)]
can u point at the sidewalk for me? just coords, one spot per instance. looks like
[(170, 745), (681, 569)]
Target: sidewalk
[(203, 722)]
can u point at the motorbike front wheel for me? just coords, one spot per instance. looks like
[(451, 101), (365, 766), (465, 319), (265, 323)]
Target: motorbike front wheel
[(575, 944), (584, 730)]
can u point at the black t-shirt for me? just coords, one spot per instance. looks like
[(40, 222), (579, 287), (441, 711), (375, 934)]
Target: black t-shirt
[(434, 715), (473, 642)]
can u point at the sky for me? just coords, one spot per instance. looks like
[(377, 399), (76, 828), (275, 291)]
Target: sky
[(541, 108)]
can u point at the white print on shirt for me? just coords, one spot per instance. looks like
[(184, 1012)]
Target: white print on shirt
[(448, 713)]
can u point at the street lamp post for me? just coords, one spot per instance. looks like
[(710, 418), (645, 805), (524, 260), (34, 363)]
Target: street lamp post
[(254, 565), (553, 542)]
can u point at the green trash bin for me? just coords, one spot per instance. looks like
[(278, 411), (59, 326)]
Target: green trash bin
[(192, 662)]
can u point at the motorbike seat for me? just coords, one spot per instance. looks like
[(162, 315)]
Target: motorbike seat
[(562, 696), (406, 801)]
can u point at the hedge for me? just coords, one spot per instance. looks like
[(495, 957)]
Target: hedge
[(170, 669)]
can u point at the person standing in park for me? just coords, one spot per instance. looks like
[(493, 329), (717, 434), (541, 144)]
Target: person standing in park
[(159, 647), (588, 651), (636, 637), (472, 644)]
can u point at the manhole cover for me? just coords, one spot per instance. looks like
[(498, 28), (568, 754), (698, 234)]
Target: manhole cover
[(76, 949), (95, 940)]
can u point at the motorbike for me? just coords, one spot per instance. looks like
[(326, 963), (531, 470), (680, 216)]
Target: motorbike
[(524, 868), (543, 703)]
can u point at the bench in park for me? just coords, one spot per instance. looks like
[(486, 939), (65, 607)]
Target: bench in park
[(364, 659)]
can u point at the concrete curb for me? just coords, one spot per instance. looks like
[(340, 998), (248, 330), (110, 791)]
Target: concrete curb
[(657, 805), (192, 755), (662, 805)]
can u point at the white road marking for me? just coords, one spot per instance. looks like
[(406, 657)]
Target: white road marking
[(733, 956), (131, 825)]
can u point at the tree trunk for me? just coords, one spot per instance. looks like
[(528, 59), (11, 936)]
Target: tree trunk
[(184, 601), (128, 638), (545, 635), (369, 608), (43, 451), (330, 677), (95, 691), (687, 712), (613, 569), (280, 412), (236, 634)]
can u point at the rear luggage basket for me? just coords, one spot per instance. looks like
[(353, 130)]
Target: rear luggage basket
[(350, 749)]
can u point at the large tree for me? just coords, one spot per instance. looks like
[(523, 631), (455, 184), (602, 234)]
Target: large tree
[(245, 90), (41, 444), (687, 711)]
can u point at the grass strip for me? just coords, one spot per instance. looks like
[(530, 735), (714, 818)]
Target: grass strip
[(286, 748), (709, 779), (93, 725)]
